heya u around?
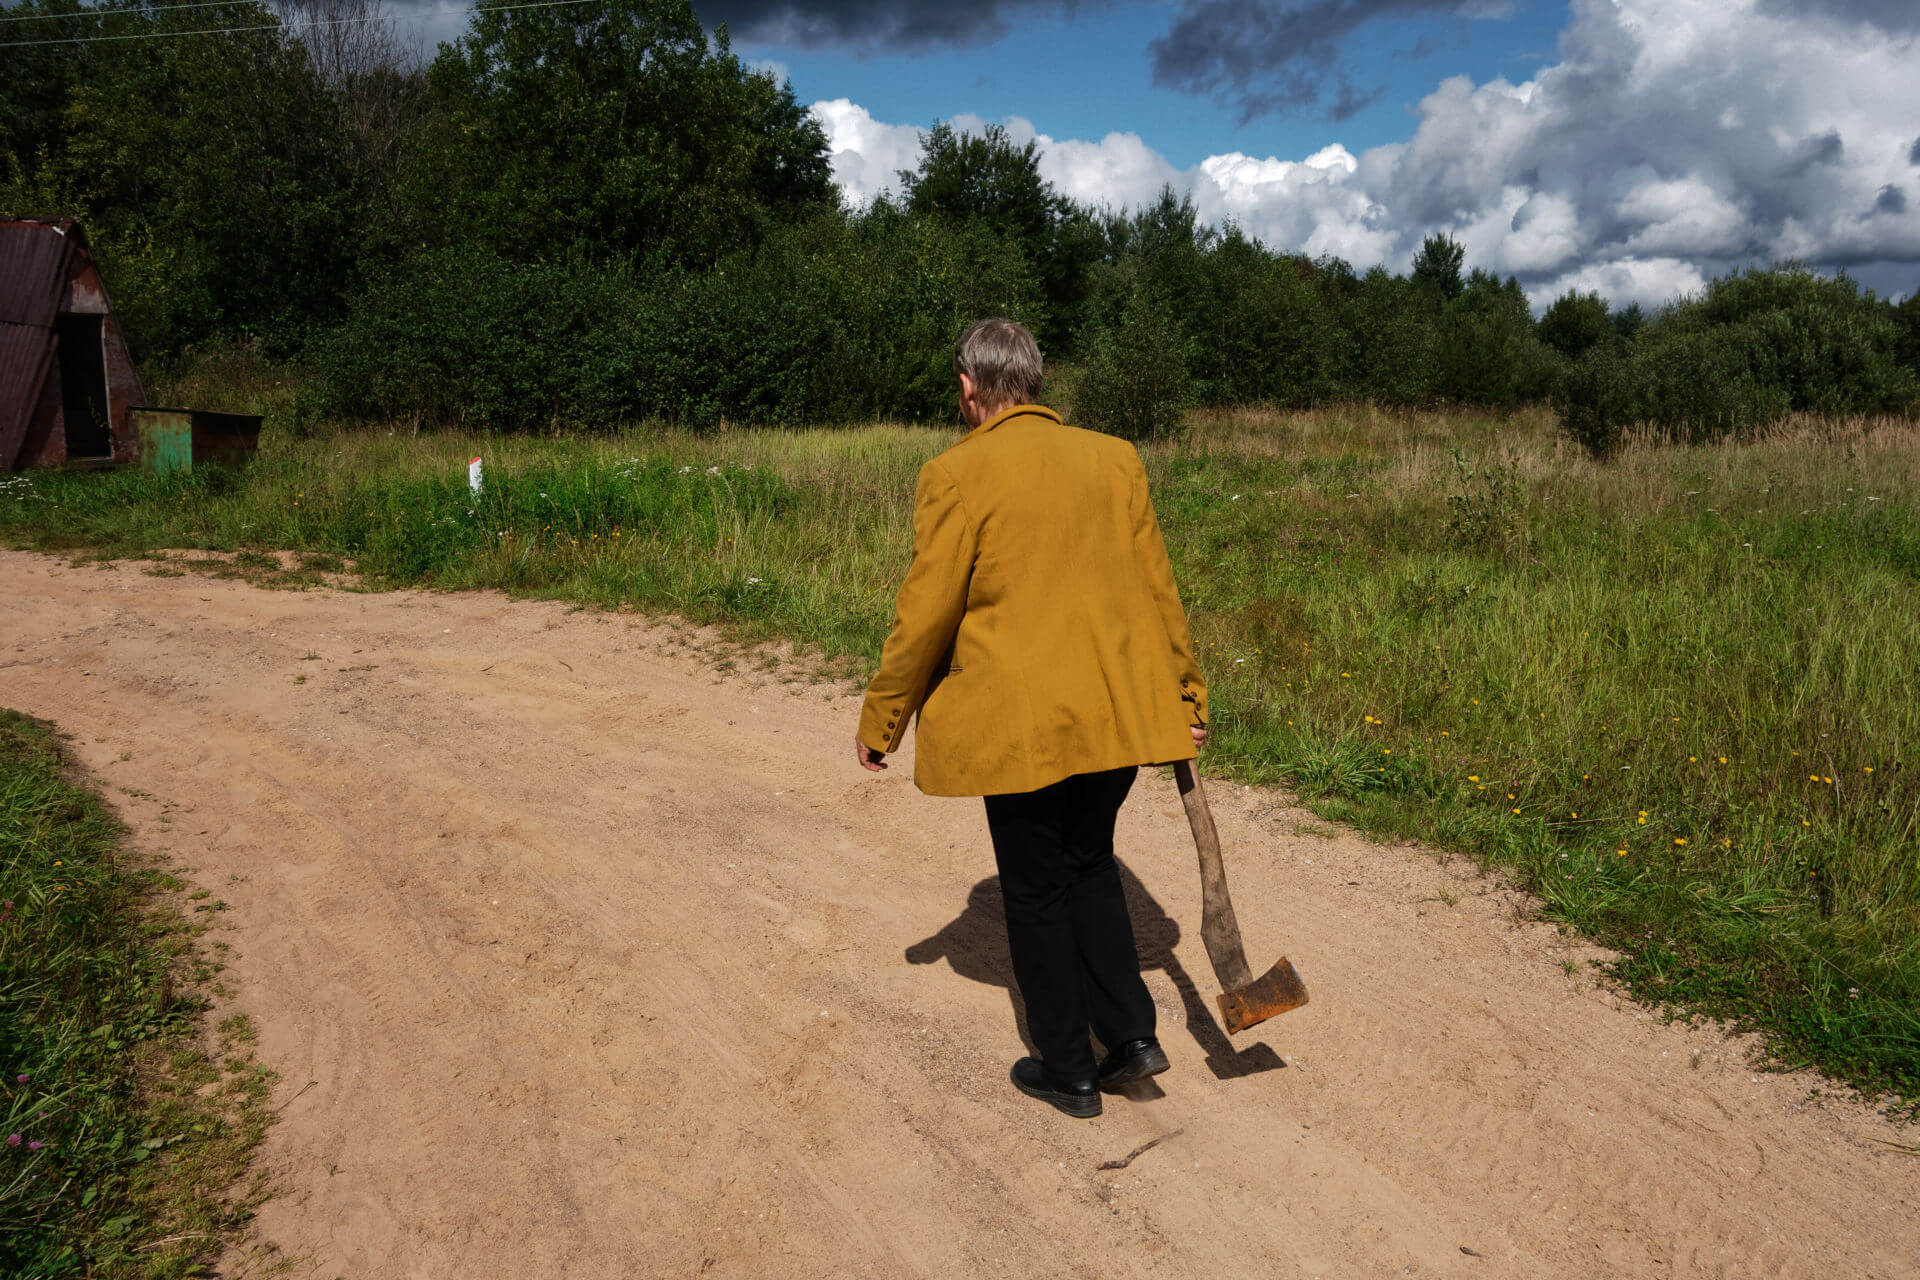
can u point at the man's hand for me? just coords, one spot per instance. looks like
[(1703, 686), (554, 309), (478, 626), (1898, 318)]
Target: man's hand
[(1199, 732), (867, 756)]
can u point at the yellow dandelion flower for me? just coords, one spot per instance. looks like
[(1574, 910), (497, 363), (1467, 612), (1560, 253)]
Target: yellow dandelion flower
[(1693, 759), (1867, 769), (1620, 853), (1723, 759), (1642, 820), (1679, 839), (1813, 777), (1473, 777)]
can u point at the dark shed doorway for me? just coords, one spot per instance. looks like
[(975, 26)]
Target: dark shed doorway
[(83, 386)]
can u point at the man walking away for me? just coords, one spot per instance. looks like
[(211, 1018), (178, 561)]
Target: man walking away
[(1040, 638)]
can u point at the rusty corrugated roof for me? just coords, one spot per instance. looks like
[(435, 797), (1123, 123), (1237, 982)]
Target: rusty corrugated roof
[(34, 259), (33, 269), (26, 354)]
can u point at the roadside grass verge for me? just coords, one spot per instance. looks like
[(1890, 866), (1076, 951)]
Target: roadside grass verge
[(1670, 694), (125, 1133)]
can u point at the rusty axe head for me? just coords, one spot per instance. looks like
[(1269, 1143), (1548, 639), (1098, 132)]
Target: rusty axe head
[(1274, 992)]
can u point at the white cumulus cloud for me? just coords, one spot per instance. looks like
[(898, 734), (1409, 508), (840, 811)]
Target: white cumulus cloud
[(867, 155), (1671, 140)]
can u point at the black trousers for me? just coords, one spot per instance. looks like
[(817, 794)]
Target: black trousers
[(1067, 925)]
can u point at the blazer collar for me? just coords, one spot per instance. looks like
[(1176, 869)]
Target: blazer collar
[(1037, 410)]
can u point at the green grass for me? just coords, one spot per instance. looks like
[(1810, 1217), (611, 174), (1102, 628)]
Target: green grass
[(1424, 622), (124, 1133)]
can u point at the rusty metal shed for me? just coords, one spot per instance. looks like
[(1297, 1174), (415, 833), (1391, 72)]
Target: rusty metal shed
[(67, 381)]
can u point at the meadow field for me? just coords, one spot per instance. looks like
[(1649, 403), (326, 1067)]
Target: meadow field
[(1669, 693)]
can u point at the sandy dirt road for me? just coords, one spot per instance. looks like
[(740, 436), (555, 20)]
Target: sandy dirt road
[(603, 963)]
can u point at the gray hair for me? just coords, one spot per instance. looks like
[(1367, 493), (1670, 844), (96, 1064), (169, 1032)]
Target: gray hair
[(1003, 361)]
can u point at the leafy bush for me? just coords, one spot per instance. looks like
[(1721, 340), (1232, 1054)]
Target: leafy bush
[(1756, 346), (829, 320), (1906, 320), (1697, 384), (1389, 341), (1137, 383), (1489, 506), (463, 336), (1576, 323), (1595, 400), (844, 320), (1267, 335)]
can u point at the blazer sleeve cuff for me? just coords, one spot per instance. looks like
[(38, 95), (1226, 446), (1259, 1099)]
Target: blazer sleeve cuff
[(883, 724)]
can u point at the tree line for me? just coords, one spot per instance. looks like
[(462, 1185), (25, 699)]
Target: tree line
[(597, 213)]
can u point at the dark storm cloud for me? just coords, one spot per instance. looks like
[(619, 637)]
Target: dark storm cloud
[(1260, 57), (1257, 57), (1825, 148), (1891, 200), (870, 24), (1913, 155)]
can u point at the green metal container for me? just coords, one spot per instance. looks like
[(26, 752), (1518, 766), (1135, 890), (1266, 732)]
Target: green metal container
[(182, 439), (166, 439)]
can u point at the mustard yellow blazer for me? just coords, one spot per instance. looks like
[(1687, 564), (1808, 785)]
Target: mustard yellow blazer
[(1038, 633)]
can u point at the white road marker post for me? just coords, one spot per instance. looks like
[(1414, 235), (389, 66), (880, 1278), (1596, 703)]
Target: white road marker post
[(473, 476)]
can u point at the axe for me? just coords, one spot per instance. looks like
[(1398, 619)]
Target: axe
[(1244, 1002)]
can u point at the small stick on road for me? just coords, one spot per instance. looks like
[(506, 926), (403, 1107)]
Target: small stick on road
[(296, 1097), (1140, 1150)]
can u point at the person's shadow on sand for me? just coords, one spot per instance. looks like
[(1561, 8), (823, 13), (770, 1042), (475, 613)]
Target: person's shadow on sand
[(975, 944)]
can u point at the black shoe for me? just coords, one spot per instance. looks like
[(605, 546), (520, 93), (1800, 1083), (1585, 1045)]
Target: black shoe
[(1078, 1098), (1134, 1060)]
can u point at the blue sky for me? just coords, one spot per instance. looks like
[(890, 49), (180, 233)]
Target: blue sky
[(1086, 74), (1635, 148)]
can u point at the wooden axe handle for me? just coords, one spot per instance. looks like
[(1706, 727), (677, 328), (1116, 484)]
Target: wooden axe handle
[(1218, 929)]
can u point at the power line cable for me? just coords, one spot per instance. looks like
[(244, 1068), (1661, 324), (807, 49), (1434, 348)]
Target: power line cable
[(152, 12), (290, 24)]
